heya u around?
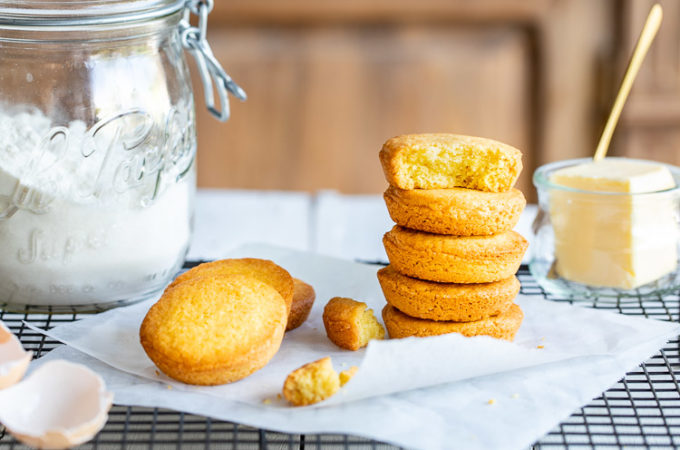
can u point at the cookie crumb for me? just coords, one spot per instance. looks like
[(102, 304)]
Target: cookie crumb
[(158, 374), (267, 401), (515, 395), (492, 401), (168, 387), (278, 396), (540, 346)]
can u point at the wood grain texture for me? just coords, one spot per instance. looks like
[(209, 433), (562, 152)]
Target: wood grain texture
[(329, 81), (575, 43), (323, 100), (650, 126), (378, 11), (652, 143), (660, 73)]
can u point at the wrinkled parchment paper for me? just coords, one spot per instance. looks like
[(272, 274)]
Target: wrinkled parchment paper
[(421, 393)]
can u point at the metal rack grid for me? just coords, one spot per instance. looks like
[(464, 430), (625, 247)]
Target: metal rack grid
[(642, 410)]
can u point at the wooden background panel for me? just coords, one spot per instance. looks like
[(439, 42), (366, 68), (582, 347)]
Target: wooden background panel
[(575, 44), (653, 143), (660, 73), (323, 99), (650, 125), (380, 11)]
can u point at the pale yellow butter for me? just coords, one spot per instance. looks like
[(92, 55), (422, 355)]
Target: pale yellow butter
[(610, 240)]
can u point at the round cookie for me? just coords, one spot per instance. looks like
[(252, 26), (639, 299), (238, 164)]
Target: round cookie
[(454, 259), (303, 300), (456, 211), (214, 330), (503, 326), (260, 269), (443, 161), (447, 301)]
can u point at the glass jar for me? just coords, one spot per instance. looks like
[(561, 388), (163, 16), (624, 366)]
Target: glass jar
[(97, 146), (605, 244)]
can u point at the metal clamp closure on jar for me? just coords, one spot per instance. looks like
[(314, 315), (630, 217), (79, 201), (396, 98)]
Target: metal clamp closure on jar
[(15, 15), (194, 39)]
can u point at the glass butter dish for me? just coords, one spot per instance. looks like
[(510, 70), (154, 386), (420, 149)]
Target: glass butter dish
[(607, 229)]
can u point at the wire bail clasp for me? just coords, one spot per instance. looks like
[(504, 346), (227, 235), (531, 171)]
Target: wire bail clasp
[(194, 39)]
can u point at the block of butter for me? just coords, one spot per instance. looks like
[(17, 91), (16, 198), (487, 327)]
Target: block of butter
[(623, 236)]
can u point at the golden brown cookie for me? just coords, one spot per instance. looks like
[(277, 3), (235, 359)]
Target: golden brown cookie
[(442, 161), (447, 301), (349, 324), (503, 326), (311, 383), (214, 330), (453, 259), (314, 382), (456, 211), (303, 300), (261, 269)]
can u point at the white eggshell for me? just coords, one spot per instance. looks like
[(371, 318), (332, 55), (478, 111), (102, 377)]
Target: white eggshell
[(60, 405), (13, 358)]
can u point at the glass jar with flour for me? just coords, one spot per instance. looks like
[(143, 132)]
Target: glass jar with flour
[(97, 147)]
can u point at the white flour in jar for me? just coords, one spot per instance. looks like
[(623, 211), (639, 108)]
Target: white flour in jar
[(91, 215)]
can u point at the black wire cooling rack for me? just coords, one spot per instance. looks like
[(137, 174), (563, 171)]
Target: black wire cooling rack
[(640, 411)]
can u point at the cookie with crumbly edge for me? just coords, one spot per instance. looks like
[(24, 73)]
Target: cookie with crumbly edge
[(214, 330), (456, 211), (262, 269), (303, 300), (349, 324), (447, 301), (442, 161), (503, 326), (454, 259), (315, 382)]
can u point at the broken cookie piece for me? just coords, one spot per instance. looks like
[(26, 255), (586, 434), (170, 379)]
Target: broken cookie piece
[(315, 382), (349, 324)]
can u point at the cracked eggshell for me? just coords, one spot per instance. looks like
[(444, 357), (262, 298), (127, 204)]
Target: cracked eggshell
[(13, 358), (60, 405)]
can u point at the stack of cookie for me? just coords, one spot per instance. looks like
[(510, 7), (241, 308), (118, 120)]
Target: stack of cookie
[(453, 254)]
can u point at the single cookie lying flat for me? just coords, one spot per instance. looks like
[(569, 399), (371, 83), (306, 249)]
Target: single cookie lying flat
[(314, 382), (503, 326), (214, 330), (447, 301), (456, 211), (453, 259), (442, 161), (303, 300), (262, 269), (349, 324)]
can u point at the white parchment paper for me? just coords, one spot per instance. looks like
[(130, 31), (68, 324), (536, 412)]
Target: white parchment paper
[(420, 393)]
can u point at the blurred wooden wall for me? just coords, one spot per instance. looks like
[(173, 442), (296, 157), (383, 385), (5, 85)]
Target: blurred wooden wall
[(329, 81), (650, 124)]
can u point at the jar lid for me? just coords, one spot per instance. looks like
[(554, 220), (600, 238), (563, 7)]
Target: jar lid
[(83, 12)]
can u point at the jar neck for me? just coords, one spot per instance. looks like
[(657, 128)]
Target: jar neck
[(99, 33)]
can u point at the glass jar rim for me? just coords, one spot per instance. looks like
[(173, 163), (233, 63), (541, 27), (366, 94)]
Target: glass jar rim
[(541, 177), (46, 13)]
